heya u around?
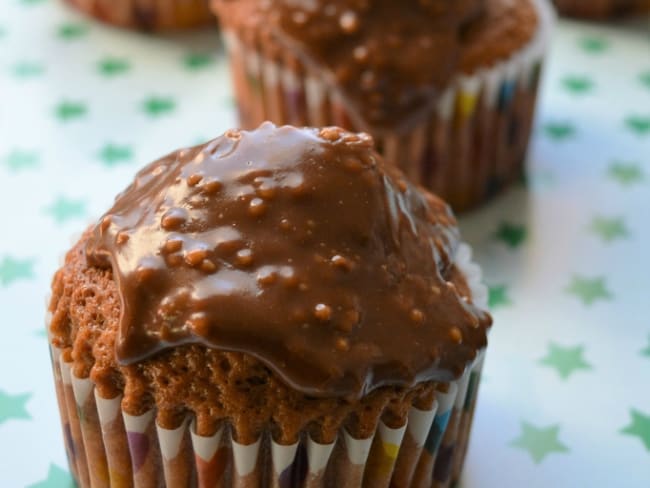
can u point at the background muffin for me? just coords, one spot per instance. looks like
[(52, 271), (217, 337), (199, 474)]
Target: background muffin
[(274, 305), (447, 91), (601, 9), (148, 14)]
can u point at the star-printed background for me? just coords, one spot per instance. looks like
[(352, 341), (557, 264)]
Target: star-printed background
[(566, 396)]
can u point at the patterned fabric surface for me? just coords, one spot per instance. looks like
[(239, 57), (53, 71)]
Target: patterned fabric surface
[(565, 400)]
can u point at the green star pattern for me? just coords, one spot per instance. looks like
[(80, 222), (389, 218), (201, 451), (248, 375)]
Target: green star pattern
[(638, 124), (539, 442), (625, 173), (512, 235), (70, 31), (644, 78), (639, 427), (565, 360), (64, 209), (577, 85), (111, 67), (560, 131), (13, 407), (12, 270), (593, 44), (589, 290), (156, 106), (498, 296), (66, 111), (609, 229), (18, 160), (113, 154), (56, 478), (27, 69), (197, 61)]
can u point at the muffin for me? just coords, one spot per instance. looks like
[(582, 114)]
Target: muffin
[(273, 308), (602, 9), (149, 15), (446, 88)]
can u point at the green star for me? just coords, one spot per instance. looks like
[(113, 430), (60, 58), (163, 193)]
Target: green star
[(511, 234), (625, 174), (645, 79), (31, 2), (155, 106), (566, 360), (560, 131), (577, 85), (593, 44), (65, 110), (3, 31), (56, 478), (498, 296), (15, 269), (539, 442), (609, 229), (646, 352), (197, 61), (589, 290), (638, 124), (70, 31), (640, 427), (27, 69), (18, 160), (113, 66), (13, 406), (64, 209), (112, 155)]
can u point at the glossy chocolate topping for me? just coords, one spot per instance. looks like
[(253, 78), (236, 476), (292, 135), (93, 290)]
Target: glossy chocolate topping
[(299, 247), (389, 58)]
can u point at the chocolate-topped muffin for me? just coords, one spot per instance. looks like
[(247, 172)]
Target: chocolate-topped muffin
[(148, 15), (436, 83), (273, 308), (602, 9)]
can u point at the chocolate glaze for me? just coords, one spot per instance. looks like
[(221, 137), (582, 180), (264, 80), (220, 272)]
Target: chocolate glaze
[(299, 247), (390, 59)]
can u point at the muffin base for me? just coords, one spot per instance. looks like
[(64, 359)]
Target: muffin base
[(148, 15), (471, 145), (108, 447), (601, 9)]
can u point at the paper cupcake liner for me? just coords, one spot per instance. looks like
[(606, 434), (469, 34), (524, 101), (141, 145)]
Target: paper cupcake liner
[(468, 148), (601, 9), (108, 447), (148, 14)]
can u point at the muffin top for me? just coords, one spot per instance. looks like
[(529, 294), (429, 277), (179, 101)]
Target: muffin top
[(390, 59), (504, 27), (299, 247)]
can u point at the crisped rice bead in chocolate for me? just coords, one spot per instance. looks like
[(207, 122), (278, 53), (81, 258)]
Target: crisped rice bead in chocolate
[(307, 252)]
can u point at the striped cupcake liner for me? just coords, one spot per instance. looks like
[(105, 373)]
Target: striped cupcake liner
[(471, 145), (601, 9), (108, 447), (150, 15)]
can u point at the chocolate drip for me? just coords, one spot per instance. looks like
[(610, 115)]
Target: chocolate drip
[(300, 247)]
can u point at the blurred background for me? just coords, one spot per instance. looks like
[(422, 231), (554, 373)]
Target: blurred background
[(565, 401)]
